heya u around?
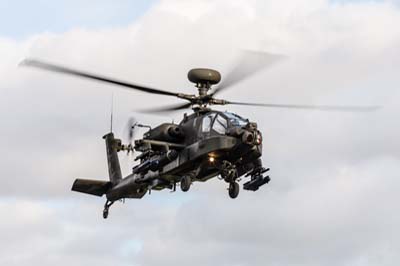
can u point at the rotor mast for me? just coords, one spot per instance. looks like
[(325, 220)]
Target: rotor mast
[(203, 88), (204, 78)]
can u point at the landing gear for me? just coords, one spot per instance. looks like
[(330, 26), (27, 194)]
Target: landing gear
[(229, 172), (106, 208), (233, 190), (186, 181)]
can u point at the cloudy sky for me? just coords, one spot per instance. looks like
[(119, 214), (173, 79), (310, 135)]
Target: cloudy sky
[(335, 176)]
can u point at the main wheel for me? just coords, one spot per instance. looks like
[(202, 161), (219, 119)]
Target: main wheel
[(233, 190), (185, 183)]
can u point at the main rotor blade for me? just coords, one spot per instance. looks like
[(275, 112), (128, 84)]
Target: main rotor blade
[(167, 108), (313, 107), (248, 64), (65, 70)]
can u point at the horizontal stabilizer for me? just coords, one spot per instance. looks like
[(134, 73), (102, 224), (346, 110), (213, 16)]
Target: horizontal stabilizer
[(93, 187)]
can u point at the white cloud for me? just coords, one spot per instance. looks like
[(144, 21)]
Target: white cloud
[(334, 175)]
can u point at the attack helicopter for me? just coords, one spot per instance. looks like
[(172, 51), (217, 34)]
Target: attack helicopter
[(207, 143)]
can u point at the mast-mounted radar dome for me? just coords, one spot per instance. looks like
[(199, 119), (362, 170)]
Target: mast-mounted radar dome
[(204, 76)]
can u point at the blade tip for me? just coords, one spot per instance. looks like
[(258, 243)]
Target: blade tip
[(26, 62)]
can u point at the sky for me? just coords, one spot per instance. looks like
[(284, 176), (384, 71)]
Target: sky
[(333, 195), (20, 18)]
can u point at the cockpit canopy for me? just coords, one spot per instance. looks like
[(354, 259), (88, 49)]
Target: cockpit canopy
[(219, 122), (198, 126)]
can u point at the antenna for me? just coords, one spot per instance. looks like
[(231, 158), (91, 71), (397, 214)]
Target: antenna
[(112, 112)]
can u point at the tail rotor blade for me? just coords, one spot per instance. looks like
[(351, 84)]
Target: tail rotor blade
[(130, 133), (130, 129)]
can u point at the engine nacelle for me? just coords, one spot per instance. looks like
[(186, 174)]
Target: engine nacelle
[(166, 132)]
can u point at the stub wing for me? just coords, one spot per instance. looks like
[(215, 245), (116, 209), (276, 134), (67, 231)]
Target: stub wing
[(93, 187)]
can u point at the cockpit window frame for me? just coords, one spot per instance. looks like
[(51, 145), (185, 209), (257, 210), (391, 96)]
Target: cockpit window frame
[(222, 126), (234, 117), (211, 118)]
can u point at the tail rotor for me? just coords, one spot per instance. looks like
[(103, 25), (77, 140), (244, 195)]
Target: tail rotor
[(130, 133)]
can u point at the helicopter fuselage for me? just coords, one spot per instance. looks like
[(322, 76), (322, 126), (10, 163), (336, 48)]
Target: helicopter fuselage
[(204, 145)]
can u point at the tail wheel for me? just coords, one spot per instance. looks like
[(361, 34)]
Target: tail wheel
[(185, 183), (233, 190), (107, 206), (105, 214)]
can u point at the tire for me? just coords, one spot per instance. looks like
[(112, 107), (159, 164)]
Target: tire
[(105, 214), (185, 183), (233, 190)]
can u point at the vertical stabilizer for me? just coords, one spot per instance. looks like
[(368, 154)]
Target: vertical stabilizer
[(114, 169)]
